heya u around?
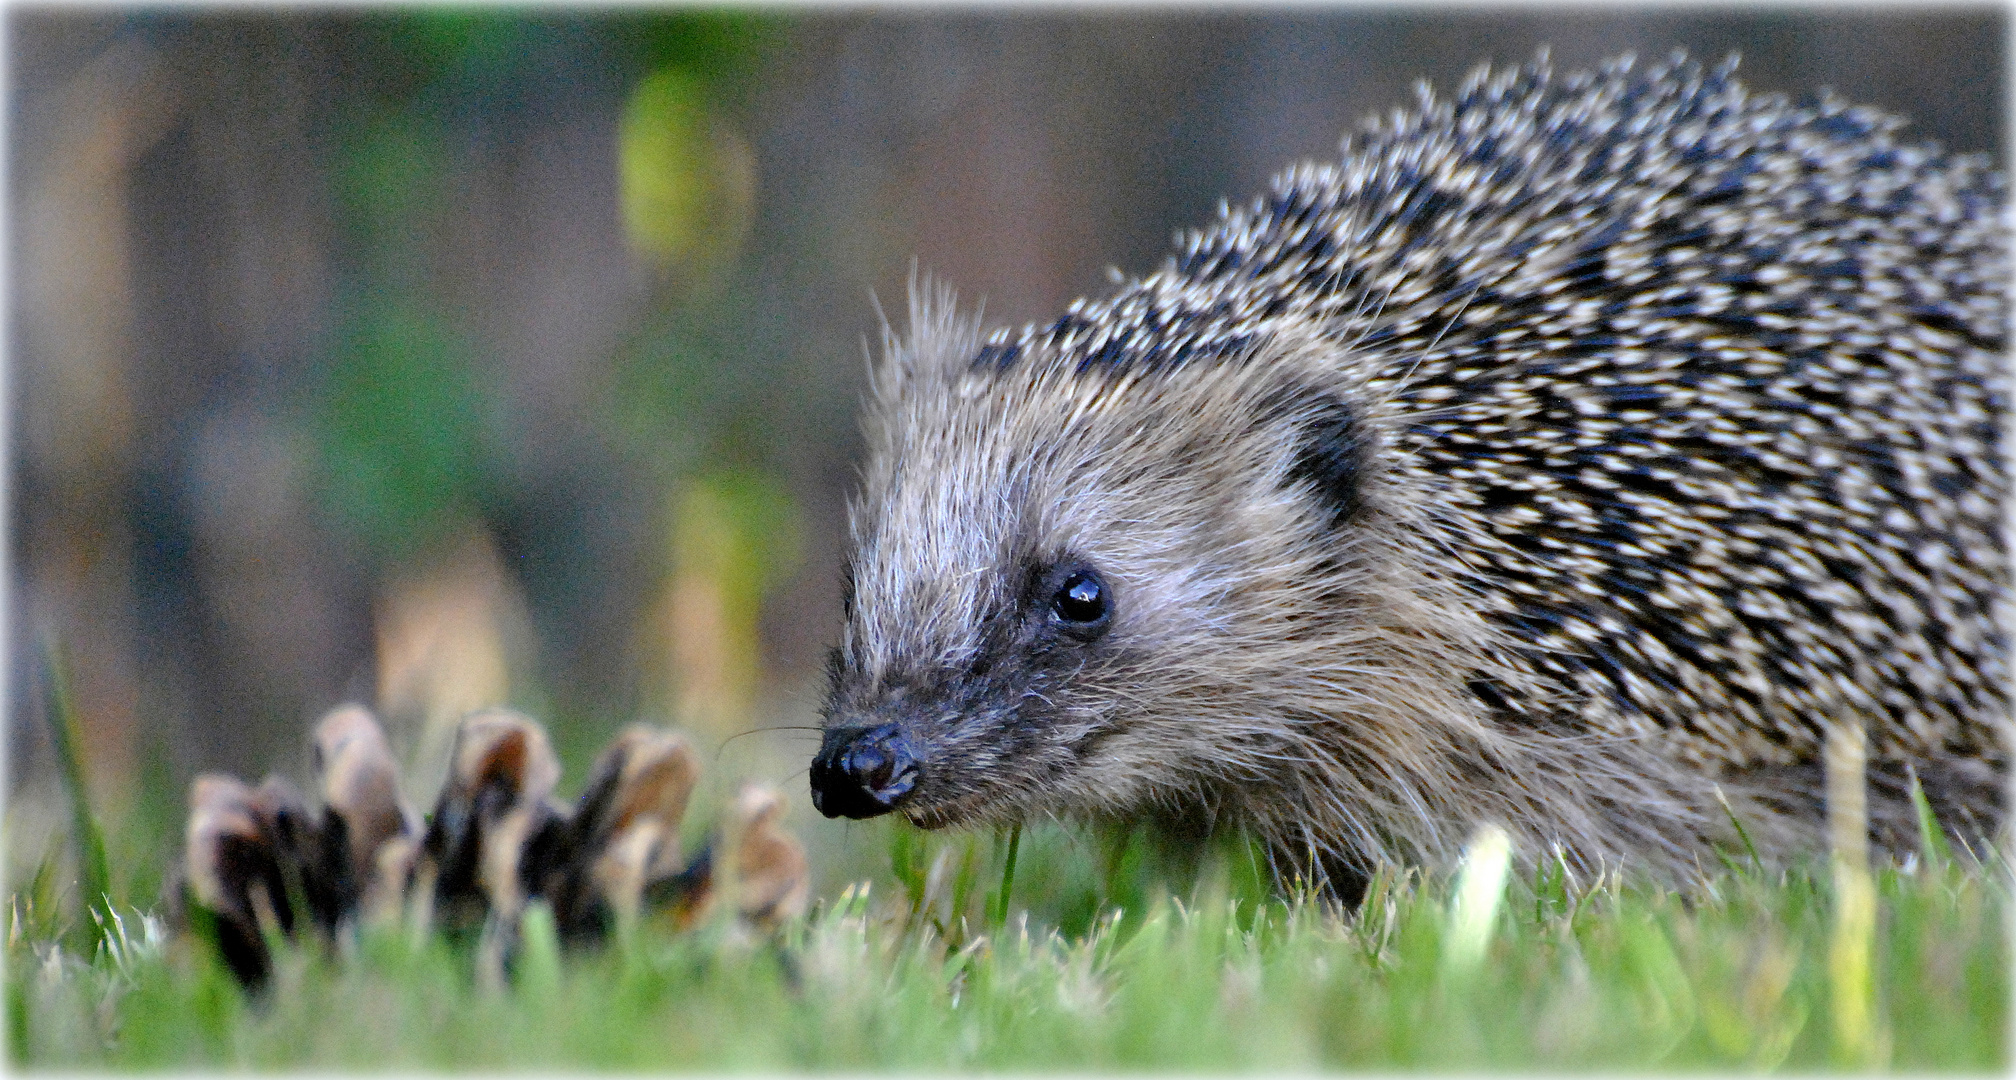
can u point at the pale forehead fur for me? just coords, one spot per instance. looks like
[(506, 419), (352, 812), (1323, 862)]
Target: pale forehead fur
[(973, 468)]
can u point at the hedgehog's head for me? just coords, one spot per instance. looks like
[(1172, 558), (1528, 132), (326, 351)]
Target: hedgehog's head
[(1096, 588)]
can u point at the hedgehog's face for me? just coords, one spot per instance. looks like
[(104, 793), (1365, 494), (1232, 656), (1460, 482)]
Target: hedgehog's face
[(1055, 589), (987, 723)]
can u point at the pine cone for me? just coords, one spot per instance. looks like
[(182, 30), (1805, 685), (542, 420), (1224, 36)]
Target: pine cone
[(260, 864)]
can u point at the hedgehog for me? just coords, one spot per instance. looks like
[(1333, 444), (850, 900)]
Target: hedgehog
[(1575, 454)]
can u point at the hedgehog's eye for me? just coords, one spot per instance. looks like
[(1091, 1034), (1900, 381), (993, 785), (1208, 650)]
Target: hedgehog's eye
[(1082, 600)]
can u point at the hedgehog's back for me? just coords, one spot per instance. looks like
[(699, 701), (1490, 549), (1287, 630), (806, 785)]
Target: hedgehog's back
[(1710, 386)]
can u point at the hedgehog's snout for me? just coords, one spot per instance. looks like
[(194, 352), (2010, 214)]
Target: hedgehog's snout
[(863, 772)]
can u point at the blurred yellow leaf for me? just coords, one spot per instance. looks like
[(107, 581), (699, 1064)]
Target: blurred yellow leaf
[(734, 536), (688, 180)]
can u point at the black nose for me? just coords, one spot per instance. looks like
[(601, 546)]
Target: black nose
[(862, 772)]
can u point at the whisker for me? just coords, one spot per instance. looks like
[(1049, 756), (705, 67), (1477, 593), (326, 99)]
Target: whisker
[(780, 729)]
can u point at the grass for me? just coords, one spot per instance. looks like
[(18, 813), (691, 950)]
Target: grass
[(1111, 952), (1055, 948)]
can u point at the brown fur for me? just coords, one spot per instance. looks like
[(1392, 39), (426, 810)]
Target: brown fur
[(1439, 638)]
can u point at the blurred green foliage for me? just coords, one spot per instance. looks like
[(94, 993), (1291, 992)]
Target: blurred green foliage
[(424, 46), (743, 526), (405, 419), (388, 180), (402, 431), (437, 41)]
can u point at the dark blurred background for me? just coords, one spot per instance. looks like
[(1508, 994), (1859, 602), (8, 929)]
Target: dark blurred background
[(442, 357)]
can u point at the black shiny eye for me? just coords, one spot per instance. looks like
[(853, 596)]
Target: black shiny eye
[(1082, 599)]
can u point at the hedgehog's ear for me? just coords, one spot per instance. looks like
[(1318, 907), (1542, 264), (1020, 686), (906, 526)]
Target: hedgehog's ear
[(1333, 454), (1322, 401)]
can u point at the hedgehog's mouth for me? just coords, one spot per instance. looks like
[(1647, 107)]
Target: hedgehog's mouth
[(945, 813)]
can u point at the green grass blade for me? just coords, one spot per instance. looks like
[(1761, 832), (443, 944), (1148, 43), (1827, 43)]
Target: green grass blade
[(999, 916), (1742, 833), (94, 874), (1932, 845)]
